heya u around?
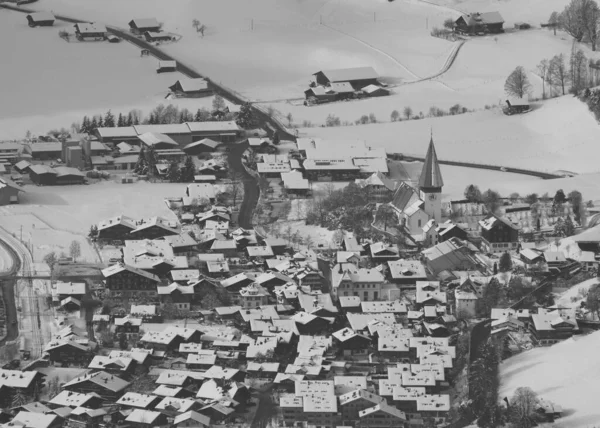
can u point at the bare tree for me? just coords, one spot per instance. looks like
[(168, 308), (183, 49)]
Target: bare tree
[(554, 21), (517, 84), (202, 29), (572, 20), (578, 70), (557, 72), (75, 250), (542, 69), (408, 112), (523, 408), (591, 21), (196, 24)]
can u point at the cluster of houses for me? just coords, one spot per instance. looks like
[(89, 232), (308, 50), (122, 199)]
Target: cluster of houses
[(344, 84)]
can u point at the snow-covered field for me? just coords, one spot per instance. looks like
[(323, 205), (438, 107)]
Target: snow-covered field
[(560, 133), (52, 217), (44, 76), (566, 373)]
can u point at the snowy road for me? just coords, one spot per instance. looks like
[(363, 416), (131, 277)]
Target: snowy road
[(6, 261)]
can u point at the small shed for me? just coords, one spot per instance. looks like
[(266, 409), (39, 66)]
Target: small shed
[(140, 26), (375, 91), (40, 19), (166, 66), (191, 87), (516, 106)]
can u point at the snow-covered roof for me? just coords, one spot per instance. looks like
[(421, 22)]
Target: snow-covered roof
[(349, 74)]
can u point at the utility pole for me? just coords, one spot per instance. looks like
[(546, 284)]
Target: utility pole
[(252, 25)]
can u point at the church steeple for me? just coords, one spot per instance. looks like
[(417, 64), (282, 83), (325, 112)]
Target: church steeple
[(431, 177)]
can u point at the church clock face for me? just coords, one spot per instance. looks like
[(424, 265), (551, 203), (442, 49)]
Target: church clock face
[(432, 197)]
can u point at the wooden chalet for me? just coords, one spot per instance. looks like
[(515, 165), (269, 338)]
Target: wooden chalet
[(116, 228), (107, 386), (90, 31), (40, 19), (128, 281), (499, 234), (191, 87), (140, 26), (68, 352), (24, 382), (480, 23)]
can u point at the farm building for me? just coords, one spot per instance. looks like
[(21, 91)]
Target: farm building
[(218, 131), (358, 77), (140, 26), (151, 36), (67, 175), (9, 192), (42, 175), (90, 31), (45, 151), (157, 141), (205, 145), (22, 166), (477, 23), (114, 136), (320, 94), (40, 19), (179, 133), (166, 66), (191, 87), (375, 91), (9, 152), (516, 106)]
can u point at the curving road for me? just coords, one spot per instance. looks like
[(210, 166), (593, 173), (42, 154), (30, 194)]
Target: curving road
[(251, 188), (10, 267)]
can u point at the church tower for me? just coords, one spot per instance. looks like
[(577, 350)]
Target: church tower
[(431, 183)]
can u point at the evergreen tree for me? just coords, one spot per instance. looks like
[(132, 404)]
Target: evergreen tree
[(173, 173), (129, 119), (123, 341), (151, 120), (93, 125), (505, 262), (151, 161), (569, 227), (100, 122), (182, 117), (490, 296), (276, 138), (188, 171), (85, 125), (141, 166), (120, 120), (245, 118), (109, 119)]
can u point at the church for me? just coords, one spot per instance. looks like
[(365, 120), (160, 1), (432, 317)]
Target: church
[(420, 211)]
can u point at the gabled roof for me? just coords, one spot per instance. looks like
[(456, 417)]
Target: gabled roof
[(404, 197), (191, 85), (34, 420), (472, 19), (103, 379), (197, 418), (431, 176), (377, 179), (144, 23), (153, 138), (41, 16), (350, 74)]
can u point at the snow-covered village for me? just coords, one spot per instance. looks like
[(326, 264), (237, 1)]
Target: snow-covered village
[(299, 213)]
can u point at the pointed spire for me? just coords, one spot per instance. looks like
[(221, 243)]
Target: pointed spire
[(431, 176)]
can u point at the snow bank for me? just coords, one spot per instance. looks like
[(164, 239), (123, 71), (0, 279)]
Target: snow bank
[(566, 373)]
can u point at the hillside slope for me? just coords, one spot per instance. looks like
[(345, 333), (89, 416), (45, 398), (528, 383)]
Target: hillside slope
[(560, 134)]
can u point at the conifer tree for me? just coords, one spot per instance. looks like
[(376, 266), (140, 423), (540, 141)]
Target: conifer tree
[(100, 122), (129, 119), (141, 166), (109, 119), (173, 173), (120, 120), (188, 171), (85, 125), (93, 125)]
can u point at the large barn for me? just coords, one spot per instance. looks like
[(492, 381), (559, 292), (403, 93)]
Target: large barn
[(358, 77), (476, 23), (90, 31), (40, 19), (140, 26)]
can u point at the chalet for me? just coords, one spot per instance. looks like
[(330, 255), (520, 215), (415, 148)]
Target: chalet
[(180, 295), (480, 23), (173, 405), (75, 399), (429, 293), (182, 245), (449, 230), (140, 26), (278, 245), (170, 338), (86, 417), (358, 77), (318, 304), (191, 419), (68, 352), (381, 415), (166, 66), (129, 326), (128, 281), (17, 381), (555, 258), (116, 228), (161, 36), (153, 228), (205, 145), (36, 420), (516, 106), (379, 188), (227, 247), (381, 252), (499, 234), (123, 367), (320, 94), (138, 401), (191, 87), (347, 339), (40, 19), (90, 31), (588, 261), (550, 327), (107, 386), (145, 419)]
